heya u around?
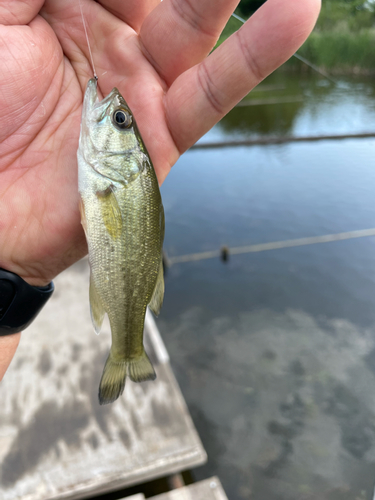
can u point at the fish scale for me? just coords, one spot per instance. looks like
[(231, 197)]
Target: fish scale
[(123, 218)]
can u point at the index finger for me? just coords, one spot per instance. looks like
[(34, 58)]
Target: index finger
[(201, 96)]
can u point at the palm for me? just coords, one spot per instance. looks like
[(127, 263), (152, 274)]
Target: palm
[(45, 68)]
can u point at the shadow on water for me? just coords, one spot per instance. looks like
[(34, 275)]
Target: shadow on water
[(274, 351)]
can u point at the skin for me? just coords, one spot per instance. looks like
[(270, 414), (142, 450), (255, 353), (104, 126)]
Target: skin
[(156, 54)]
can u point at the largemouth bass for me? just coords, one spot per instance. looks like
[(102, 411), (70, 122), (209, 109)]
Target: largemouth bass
[(123, 218)]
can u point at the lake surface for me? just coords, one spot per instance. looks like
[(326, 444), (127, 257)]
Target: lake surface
[(275, 351)]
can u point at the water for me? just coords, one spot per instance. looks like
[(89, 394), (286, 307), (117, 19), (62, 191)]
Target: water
[(275, 351)]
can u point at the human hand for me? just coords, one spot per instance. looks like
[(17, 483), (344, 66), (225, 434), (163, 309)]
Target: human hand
[(156, 54)]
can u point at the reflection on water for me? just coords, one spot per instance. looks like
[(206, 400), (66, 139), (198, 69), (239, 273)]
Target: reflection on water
[(260, 120), (274, 351), (274, 119), (324, 108), (280, 400)]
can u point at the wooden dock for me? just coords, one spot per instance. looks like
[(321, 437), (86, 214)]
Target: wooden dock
[(56, 441), (209, 489)]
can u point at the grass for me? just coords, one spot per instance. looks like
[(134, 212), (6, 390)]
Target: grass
[(343, 41), (340, 51)]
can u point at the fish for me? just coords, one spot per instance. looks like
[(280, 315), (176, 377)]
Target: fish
[(123, 219)]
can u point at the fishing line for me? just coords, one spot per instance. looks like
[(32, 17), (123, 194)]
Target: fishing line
[(88, 43), (243, 21)]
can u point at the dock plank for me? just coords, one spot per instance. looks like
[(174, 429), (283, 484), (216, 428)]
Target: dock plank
[(56, 441), (209, 489)]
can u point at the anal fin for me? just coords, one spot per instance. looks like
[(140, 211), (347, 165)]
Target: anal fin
[(158, 295), (96, 308)]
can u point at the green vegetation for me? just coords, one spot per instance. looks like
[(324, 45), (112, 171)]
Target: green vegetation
[(350, 16), (340, 52), (343, 40)]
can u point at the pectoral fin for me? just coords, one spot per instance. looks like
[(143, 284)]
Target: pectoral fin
[(111, 212), (157, 297), (96, 308)]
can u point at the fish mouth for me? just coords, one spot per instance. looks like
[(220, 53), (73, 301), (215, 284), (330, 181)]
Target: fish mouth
[(94, 110), (91, 97), (92, 107)]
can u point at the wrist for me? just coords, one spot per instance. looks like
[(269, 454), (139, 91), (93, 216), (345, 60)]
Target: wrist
[(8, 346), (32, 279), (38, 282), (20, 302)]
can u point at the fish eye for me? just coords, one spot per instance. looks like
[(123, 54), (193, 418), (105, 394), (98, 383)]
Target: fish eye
[(121, 119)]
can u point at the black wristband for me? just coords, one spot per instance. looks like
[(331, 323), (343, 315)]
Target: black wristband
[(20, 302)]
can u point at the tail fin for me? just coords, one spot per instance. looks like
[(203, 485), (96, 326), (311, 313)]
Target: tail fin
[(141, 369), (113, 379)]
